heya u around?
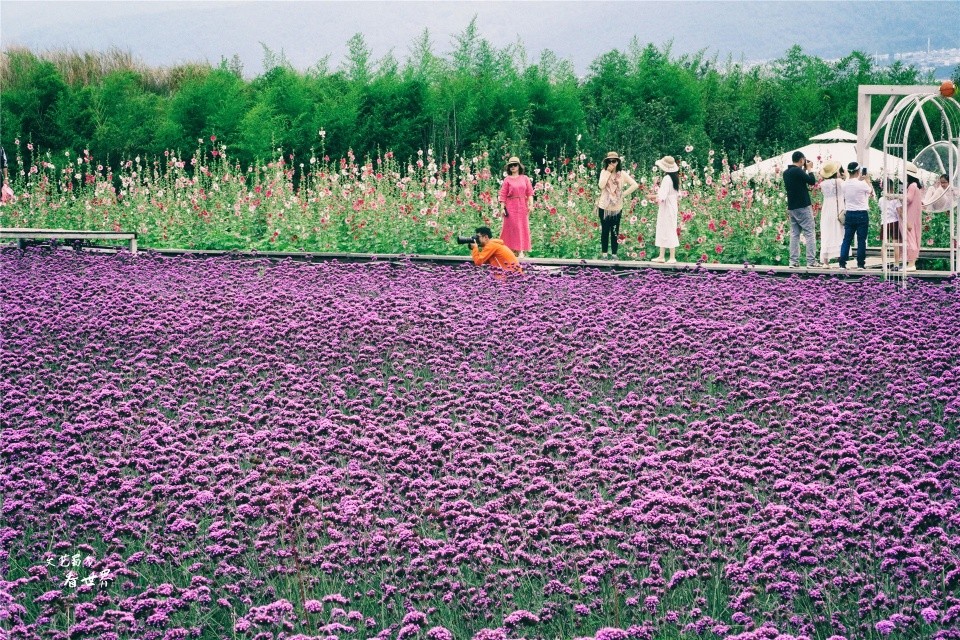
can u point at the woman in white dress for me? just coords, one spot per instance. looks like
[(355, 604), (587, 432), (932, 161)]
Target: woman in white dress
[(831, 229), (668, 196)]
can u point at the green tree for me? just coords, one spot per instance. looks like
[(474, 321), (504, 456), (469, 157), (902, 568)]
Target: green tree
[(357, 65), (732, 117), (124, 117), (214, 104), (644, 102), (556, 113), (391, 109), (33, 95)]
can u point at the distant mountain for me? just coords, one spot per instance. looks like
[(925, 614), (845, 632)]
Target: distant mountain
[(166, 33)]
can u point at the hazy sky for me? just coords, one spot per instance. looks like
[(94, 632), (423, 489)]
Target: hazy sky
[(170, 32)]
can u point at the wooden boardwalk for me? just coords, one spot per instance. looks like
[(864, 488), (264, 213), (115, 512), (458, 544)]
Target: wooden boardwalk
[(873, 269)]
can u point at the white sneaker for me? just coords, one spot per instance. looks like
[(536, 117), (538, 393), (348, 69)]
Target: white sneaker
[(672, 261), (658, 259)]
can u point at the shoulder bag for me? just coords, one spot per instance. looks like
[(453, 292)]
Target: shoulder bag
[(841, 213)]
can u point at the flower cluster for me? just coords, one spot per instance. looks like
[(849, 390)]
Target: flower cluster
[(290, 450)]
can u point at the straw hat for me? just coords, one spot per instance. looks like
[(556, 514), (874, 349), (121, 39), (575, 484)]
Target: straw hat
[(514, 160), (913, 170), (667, 164), (829, 169), (613, 155)]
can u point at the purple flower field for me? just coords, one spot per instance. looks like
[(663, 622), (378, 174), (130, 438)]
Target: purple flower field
[(231, 448)]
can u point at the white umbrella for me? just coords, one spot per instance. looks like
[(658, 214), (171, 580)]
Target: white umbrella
[(837, 135), (820, 153)]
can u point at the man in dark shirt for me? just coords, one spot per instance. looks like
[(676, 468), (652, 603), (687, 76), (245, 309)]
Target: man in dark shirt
[(797, 179)]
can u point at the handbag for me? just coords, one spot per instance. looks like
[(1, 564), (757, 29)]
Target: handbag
[(841, 213)]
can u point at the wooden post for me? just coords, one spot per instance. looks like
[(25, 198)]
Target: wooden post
[(864, 102)]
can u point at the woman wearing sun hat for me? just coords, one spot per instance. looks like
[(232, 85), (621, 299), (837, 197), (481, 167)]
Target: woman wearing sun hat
[(610, 202), (668, 196), (516, 195), (831, 229)]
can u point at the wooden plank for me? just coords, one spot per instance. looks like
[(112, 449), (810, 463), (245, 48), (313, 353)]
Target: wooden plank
[(875, 129), (20, 234), (897, 90), (49, 230), (555, 265), (928, 252)]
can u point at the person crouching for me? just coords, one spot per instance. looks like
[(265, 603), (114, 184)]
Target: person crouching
[(492, 251)]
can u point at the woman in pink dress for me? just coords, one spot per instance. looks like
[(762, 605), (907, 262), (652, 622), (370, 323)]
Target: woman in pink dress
[(913, 221), (516, 195)]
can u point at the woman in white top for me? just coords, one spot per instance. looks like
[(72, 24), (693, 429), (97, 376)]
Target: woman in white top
[(668, 196), (831, 229)]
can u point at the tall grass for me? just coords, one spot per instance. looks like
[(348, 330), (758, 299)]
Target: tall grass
[(82, 68)]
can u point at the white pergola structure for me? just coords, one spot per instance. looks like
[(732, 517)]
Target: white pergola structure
[(904, 106)]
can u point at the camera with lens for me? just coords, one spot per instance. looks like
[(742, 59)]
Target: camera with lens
[(468, 239)]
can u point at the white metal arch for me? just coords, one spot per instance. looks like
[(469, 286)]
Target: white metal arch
[(904, 105)]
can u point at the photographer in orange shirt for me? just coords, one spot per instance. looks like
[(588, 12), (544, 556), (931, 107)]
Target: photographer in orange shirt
[(486, 249)]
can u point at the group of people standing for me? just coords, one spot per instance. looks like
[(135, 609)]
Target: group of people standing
[(516, 196), (615, 184), (845, 213)]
